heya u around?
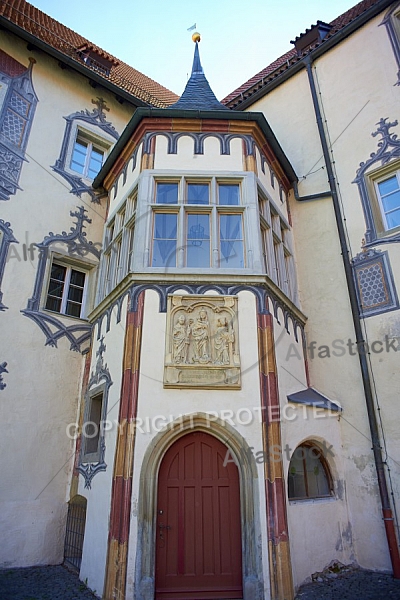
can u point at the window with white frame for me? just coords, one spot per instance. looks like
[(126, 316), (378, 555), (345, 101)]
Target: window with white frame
[(381, 195), (67, 290), (309, 475), (197, 224), (388, 193), (118, 246), (87, 140), (276, 240), (87, 154)]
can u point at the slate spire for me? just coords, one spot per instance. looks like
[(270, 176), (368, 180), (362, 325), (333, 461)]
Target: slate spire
[(198, 94)]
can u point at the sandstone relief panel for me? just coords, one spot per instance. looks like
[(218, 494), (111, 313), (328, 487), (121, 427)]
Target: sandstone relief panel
[(202, 343)]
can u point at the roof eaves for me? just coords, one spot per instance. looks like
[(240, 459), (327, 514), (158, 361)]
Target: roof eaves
[(283, 72), (141, 113)]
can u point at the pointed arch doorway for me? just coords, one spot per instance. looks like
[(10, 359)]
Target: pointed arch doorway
[(198, 528)]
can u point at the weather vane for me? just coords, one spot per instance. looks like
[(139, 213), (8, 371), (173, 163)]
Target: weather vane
[(195, 35)]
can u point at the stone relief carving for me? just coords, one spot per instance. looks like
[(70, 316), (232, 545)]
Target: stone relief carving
[(202, 342)]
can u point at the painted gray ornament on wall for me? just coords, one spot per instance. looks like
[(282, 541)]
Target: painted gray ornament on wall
[(6, 238), (77, 244), (101, 376), (2, 370), (16, 116), (388, 150), (96, 118)]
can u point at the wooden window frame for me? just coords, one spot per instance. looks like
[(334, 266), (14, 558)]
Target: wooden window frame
[(325, 466)]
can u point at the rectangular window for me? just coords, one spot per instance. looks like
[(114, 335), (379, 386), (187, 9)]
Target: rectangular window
[(91, 429), (228, 194), (66, 290), (87, 156), (166, 193), (198, 193), (165, 239), (198, 240), (277, 247), (389, 198), (198, 229), (231, 241)]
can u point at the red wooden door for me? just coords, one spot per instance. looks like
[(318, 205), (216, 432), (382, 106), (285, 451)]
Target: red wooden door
[(198, 548)]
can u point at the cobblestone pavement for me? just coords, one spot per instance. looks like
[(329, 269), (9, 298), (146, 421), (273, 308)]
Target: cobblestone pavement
[(42, 583), (352, 585), (57, 583)]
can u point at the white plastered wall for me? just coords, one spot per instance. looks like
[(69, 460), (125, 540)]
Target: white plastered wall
[(319, 530), (43, 382), (353, 100)]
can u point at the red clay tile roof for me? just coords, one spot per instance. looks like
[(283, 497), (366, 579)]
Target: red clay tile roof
[(63, 39), (282, 63)]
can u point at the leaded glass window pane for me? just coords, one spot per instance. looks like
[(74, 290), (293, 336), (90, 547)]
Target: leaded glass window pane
[(198, 193), (167, 193), (231, 241), (164, 240), (228, 194), (198, 240)]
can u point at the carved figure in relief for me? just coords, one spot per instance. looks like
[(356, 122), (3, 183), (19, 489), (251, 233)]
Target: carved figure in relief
[(223, 339), (181, 334), (201, 337)]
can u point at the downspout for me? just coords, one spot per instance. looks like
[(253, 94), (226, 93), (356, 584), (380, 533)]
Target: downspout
[(376, 446), (310, 196)]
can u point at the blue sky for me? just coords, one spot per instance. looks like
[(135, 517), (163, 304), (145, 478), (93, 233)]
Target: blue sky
[(238, 38)]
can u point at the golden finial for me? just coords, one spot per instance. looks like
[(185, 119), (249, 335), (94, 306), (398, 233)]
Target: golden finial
[(196, 37)]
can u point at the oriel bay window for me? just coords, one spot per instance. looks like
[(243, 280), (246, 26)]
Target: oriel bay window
[(197, 226), (277, 254), (118, 246)]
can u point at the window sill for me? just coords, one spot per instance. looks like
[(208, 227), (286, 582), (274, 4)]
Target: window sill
[(90, 458), (388, 233), (313, 500), (69, 317)]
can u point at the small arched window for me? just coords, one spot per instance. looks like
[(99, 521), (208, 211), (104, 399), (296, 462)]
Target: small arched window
[(309, 476)]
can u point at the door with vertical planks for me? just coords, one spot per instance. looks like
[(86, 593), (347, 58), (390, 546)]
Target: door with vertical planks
[(198, 545)]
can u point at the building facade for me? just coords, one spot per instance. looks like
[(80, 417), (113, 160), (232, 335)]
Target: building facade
[(207, 404)]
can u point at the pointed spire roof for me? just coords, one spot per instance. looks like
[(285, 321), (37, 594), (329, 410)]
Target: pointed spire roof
[(198, 94)]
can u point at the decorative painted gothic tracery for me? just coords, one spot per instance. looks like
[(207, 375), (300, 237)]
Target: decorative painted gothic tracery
[(6, 238), (198, 141), (262, 294), (389, 21), (100, 376), (388, 149), (97, 119), (2, 370), (17, 108), (374, 282), (77, 245)]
